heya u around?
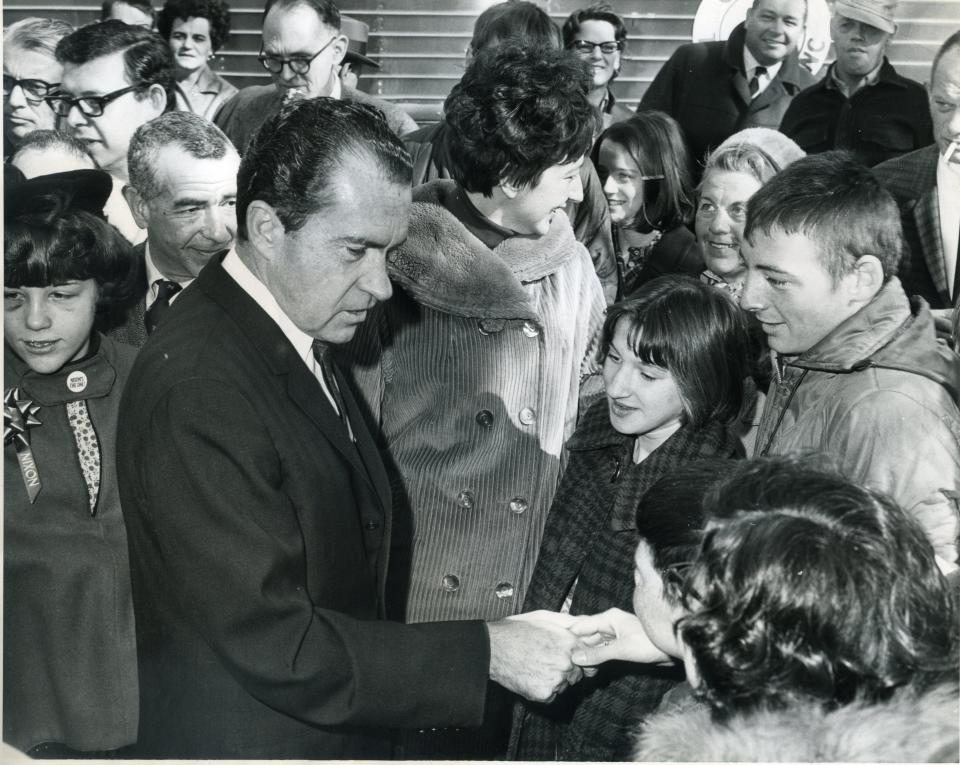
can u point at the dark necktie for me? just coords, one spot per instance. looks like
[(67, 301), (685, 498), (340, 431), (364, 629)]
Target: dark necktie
[(321, 352), (755, 80), (165, 290)]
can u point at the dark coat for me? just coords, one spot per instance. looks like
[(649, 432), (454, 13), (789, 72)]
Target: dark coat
[(69, 650), (590, 538), (912, 179), (259, 536), (878, 122), (704, 88), (675, 253)]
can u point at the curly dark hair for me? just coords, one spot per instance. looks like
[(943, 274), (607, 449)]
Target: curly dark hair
[(809, 587), (217, 12), (518, 111)]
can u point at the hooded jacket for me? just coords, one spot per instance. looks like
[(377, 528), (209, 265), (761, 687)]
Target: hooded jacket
[(878, 395)]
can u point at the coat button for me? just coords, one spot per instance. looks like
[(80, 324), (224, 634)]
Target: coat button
[(465, 499), (371, 525), (450, 582), (485, 418), (528, 416), (504, 590), (530, 329), (491, 326), (518, 505)]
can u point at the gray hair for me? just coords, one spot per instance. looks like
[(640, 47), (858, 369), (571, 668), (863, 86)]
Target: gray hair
[(37, 34), (195, 135)]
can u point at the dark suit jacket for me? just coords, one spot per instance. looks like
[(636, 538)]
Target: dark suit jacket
[(130, 328), (258, 543), (912, 179), (704, 88)]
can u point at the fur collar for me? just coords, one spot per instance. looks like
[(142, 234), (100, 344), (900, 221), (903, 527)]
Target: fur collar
[(908, 728), (445, 267)]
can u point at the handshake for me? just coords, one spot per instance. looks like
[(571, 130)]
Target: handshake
[(539, 654)]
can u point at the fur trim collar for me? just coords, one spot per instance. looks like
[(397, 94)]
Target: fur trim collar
[(907, 728), (445, 267)]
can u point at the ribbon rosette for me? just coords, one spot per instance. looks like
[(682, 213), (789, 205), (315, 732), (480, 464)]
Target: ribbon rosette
[(19, 415)]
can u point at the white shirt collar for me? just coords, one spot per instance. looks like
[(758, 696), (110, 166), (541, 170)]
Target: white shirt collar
[(153, 275), (750, 63)]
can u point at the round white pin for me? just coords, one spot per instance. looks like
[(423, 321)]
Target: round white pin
[(76, 382)]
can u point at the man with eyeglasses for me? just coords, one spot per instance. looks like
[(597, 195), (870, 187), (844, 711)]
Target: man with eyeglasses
[(301, 48), (30, 73), (715, 89), (183, 191), (115, 78)]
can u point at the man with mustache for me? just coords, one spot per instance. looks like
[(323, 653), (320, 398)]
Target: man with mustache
[(862, 104), (714, 89)]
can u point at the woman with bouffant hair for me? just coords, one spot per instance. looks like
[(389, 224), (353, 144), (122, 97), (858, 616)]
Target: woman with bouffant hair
[(819, 627), (69, 659)]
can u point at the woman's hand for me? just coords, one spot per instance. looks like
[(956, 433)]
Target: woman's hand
[(613, 635)]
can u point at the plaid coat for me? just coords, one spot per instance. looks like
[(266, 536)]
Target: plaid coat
[(912, 179), (590, 539)]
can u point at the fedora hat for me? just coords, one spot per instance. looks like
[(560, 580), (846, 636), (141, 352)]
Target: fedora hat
[(356, 33)]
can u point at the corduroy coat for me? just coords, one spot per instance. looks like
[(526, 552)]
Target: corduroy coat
[(472, 373), (590, 540)]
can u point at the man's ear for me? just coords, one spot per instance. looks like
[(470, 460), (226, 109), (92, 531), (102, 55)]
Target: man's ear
[(158, 98), (137, 204), (264, 229), (866, 279), (339, 49)]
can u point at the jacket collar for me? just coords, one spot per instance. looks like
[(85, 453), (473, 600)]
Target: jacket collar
[(862, 335), (97, 370), (789, 73), (445, 267)]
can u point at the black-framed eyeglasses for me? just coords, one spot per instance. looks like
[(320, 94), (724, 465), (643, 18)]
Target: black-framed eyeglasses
[(35, 90), (608, 48), (89, 106), (298, 65)]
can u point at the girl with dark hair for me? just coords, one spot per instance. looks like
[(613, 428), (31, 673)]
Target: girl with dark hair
[(674, 361), (195, 31), (69, 650), (644, 167)]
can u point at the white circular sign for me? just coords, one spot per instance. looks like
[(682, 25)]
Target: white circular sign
[(716, 19), (77, 382)]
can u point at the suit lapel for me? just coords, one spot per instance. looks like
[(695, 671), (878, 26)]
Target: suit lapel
[(926, 214)]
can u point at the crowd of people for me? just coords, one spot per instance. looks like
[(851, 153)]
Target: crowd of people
[(550, 431)]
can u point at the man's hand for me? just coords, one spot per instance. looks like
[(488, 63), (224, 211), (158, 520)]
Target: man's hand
[(530, 654), (614, 635)]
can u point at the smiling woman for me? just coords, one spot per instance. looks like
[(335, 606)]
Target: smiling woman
[(196, 30)]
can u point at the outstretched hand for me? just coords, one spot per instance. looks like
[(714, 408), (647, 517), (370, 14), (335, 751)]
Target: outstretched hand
[(613, 635)]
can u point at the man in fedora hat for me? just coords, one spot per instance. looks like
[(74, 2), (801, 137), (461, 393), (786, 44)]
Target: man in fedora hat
[(302, 47), (357, 34), (862, 104)]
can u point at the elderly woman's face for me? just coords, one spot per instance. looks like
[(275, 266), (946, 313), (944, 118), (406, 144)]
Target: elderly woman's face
[(190, 43), (721, 217), (655, 613), (48, 327)]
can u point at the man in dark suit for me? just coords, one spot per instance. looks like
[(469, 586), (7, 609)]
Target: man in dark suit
[(714, 89), (258, 509), (183, 191), (926, 185)]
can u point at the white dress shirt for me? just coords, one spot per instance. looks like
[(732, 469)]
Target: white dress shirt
[(154, 275), (300, 340), (750, 65)]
